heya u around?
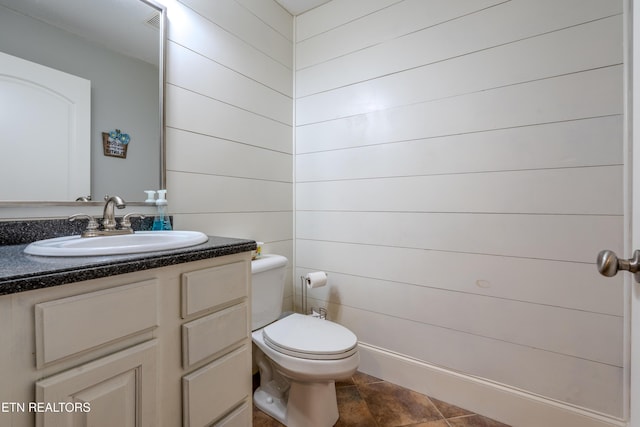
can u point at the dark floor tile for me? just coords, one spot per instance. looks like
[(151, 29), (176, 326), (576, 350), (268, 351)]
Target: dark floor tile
[(447, 410), (367, 401), (437, 423), (362, 378), (392, 405), (260, 419), (352, 408), (348, 382), (357, 378), (474, 421)]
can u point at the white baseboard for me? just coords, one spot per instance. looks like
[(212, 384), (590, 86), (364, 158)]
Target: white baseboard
[(501, 403)]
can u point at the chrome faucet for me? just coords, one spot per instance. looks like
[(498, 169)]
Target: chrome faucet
[(108, 216), (109, 224)]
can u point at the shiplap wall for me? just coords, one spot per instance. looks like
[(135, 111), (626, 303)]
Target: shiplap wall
[(458, 168), (229, 118)]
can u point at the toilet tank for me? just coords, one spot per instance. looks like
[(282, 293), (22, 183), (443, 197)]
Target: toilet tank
[(267, 289)]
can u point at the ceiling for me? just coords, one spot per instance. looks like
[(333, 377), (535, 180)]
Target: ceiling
[(296, 7)]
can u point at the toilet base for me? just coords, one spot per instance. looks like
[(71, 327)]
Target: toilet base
[(307, 404), (273, 406), (299, 392)]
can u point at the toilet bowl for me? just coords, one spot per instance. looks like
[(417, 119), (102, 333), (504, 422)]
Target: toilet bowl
[(299, 357)]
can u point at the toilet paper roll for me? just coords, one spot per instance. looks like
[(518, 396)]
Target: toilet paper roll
[(316, 279)]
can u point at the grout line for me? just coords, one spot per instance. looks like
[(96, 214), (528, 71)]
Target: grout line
[(437, 410), (377, 381), (366, 404), (458, 418)]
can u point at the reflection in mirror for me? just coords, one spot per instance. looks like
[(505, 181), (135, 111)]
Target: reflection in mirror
[(114, 46)]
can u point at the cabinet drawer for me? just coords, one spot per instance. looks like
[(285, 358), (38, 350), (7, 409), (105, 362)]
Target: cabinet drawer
[(240, 417), (214, 287), (75, 324), (204, 337), (216, 388)]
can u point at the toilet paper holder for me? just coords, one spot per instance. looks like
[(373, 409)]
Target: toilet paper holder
[(319, 312)]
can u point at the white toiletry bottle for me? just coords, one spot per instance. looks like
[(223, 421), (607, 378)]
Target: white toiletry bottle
[(151, 196), (162, 220)]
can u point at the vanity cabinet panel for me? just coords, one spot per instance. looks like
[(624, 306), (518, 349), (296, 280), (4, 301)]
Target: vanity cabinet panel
[(117, 390), (75, 324), (199, 295), (116, 343), (216, 388), (212, 334), (220, 339), (240, 417)]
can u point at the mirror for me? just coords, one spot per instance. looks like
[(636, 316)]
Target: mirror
[(119, 47)]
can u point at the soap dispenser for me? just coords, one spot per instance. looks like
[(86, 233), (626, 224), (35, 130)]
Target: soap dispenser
[(162, 220), (151, 196)]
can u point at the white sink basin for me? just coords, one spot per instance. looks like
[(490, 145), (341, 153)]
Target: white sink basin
[(140, 241)]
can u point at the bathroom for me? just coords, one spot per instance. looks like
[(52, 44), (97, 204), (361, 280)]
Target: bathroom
[(454, 166)]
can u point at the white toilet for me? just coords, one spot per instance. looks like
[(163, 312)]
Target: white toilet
[(299, 357)]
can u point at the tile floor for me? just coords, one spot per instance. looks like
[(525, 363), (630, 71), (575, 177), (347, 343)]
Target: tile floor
[(366, 401)]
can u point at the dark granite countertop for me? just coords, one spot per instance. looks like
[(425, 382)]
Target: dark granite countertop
[(20, 272)]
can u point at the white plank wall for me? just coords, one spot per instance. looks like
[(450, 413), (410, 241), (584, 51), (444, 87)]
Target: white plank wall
[(458, 167), (229, 118)]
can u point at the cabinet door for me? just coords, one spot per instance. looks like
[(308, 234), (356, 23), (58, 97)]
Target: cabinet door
[(117, 390)]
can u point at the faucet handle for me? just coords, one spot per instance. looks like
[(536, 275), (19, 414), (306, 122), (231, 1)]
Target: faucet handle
[(92, 226), (125, 224)]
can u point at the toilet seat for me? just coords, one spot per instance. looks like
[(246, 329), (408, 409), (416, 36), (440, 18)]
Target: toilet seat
[(308, 337)]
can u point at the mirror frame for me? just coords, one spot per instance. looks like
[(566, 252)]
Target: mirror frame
[(161, 101)]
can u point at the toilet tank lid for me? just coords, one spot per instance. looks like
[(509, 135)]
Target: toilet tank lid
[(268, 262)]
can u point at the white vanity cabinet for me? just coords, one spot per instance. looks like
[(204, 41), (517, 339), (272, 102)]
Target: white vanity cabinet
[(216, 345), (167, 347), (117, 389)]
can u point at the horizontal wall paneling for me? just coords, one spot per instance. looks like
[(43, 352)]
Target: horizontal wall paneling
[(272, 14), (575, 238), (576, 143), (592, 336), (185, 69), (593, 385), (540, 281), (210, 193), (197, 33), (260, 226), (225, 158), (240, 22), (200, 114), (509, 22), (334, 14), (557, 191), (590, 94), (387, 24), (579, 48)]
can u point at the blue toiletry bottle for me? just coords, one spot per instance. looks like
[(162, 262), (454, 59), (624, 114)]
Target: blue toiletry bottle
[(161, 220)]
